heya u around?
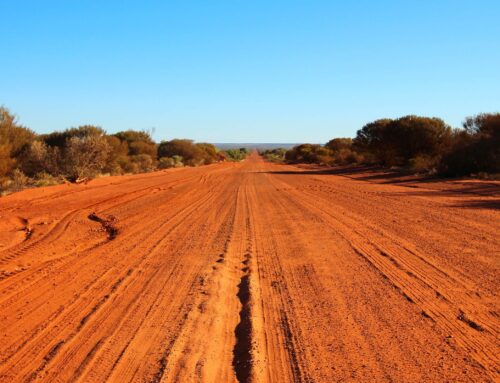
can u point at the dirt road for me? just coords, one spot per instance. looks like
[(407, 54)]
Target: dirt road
[(250, 272)]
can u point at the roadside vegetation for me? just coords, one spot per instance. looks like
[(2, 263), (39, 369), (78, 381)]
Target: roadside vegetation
[(235, 154), (274, 155), (420, 144), (78, 154)]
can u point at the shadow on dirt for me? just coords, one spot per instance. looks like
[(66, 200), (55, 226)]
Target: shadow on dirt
[(493, 205), (421, 185), (365, 173)]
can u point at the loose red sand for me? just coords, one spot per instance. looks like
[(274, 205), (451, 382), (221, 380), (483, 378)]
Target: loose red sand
[(251, 272)]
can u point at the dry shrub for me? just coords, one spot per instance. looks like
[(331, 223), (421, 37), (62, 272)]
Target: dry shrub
[(19, 180), (144, 163), (45, 179), (170, 162), (85, 157)]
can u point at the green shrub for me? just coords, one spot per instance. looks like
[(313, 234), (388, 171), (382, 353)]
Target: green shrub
[(309, 153), (274, 155), (236, 154), (396, 142)]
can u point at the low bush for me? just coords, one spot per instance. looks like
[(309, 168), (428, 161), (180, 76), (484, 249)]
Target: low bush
[(45, 179), (192, 154), (236, 154), (143, 163), (309, 153), (274, 155), (170, 162)]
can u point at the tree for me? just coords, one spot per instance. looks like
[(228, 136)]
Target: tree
[(483, 126), (476, 148), (396, 142), (371, 140), (13, 139)]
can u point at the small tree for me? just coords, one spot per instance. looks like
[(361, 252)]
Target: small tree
[(13, 139), (397, 142), (476, 148)]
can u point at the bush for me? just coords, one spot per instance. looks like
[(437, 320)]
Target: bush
[(85, 157), (166, 163), (396, 142), (85, 152), (45, 179), (127, 165), (423, 164), (6, 161), (192, 154), (143, 163), (170, 162), (274, 155), (338, 144), (117, 149), (132, 144), (38, 157), (140, 147), (236, 154), (309, 153), (342, 151), (476, 149), (180, 147), (19, 180), (209, 152)]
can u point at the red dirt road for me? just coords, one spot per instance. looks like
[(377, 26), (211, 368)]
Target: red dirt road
[(250, 272)]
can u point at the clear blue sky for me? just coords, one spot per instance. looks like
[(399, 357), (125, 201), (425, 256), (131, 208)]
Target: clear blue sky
[(247, 71)]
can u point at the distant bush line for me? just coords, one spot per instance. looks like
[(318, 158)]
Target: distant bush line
[(77, 154), (420, 144)]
